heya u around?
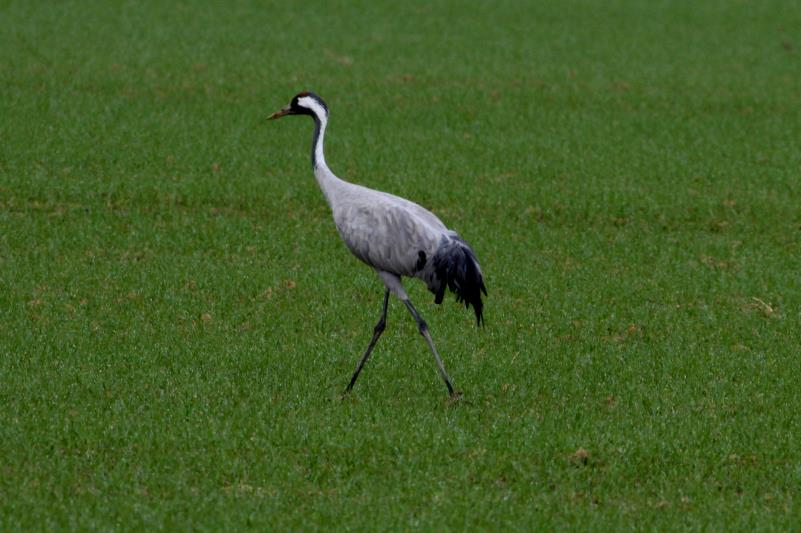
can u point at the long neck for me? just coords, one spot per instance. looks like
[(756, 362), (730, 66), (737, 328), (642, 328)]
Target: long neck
[(329, 183), (317, 155)]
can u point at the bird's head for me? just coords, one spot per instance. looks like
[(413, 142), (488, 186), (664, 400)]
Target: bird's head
[(303, 104)]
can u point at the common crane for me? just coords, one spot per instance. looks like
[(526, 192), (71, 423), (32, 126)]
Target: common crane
[(395, 237)]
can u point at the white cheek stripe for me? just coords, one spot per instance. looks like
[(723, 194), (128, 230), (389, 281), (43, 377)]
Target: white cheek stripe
[(311, 103)]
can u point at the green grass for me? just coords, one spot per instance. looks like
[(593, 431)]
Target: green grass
[(178, 316)]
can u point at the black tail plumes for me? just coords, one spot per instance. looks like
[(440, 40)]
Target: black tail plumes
[(456, 267)]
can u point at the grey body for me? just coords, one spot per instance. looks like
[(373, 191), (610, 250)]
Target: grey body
[(394, 236), (387, 232)]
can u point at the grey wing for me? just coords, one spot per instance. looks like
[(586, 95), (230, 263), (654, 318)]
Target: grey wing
[(418, 211), (387, 234)]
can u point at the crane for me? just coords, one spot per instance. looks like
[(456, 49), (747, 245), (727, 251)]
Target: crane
[(395, 237)]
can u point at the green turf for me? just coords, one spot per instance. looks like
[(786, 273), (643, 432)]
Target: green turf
[(178, 316)]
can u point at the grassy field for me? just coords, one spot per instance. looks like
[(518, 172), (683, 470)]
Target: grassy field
[(178, 316)]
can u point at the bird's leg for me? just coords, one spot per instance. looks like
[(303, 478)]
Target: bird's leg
[(379, 328), (421, 324)]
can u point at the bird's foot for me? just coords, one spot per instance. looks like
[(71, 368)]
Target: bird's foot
[(455, 396), (345, 395)]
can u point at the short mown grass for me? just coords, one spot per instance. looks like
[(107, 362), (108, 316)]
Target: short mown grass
[(178, 316)]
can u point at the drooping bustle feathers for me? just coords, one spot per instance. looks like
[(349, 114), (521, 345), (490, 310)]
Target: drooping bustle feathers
[(456, 267)]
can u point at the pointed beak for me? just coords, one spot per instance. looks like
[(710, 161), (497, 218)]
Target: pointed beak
[(279, 114)]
